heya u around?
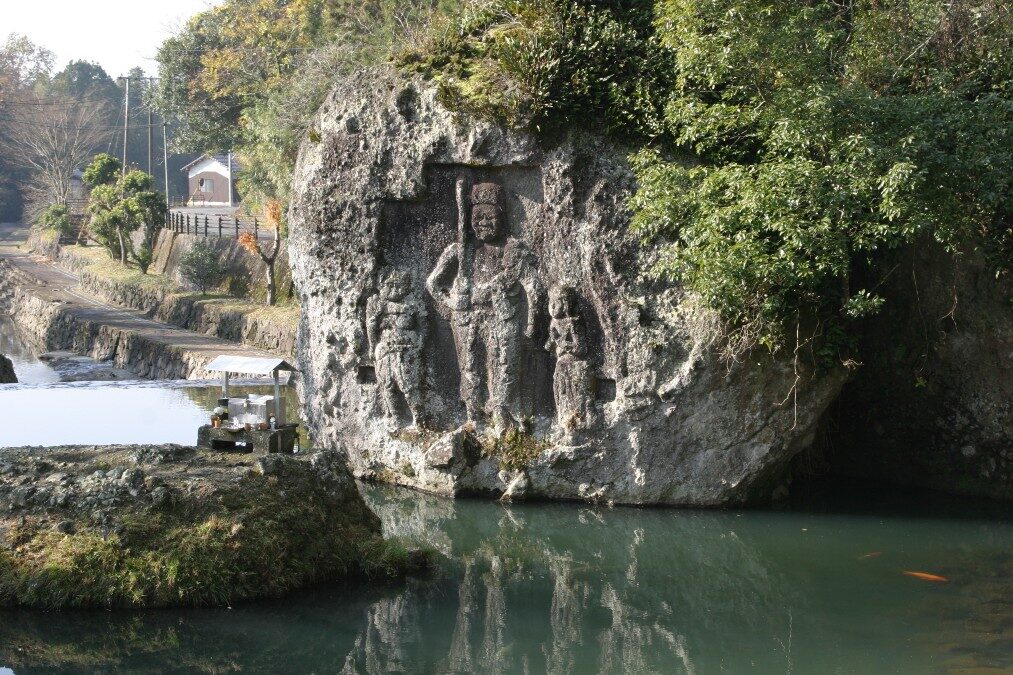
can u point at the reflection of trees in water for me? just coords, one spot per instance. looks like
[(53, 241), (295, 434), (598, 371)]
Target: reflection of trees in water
[(565, 589)]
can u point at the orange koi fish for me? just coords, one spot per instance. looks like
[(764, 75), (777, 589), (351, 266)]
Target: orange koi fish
[(925, 576)]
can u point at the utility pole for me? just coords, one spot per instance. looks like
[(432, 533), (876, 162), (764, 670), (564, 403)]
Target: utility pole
[(126, 125), (232, 199), (165, 161), (151, 127)]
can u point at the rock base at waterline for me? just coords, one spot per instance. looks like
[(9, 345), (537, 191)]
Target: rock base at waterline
[(157, 526), (7, 375)]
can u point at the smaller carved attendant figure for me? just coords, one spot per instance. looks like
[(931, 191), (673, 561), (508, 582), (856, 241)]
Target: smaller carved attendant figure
[(573, 381), (394, 324)]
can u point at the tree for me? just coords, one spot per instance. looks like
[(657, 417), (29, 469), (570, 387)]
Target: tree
[(787, 150), (109, 220), (202, 266), (121, 207), (23, 64), (104, 169), (50, 138), (248, 75), (252, 244), (57, 218), (82, 79)]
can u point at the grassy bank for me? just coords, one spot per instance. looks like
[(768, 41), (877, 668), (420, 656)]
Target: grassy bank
[(191, 529)]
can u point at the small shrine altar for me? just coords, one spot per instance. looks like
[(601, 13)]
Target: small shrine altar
[(254, 423)]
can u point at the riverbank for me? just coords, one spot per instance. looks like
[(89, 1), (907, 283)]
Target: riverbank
[(158, 526), (55, 313), (161, 294)]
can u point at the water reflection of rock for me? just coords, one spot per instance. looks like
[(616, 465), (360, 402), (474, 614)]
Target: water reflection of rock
[(564, 589), (263, 637), (574, 590)]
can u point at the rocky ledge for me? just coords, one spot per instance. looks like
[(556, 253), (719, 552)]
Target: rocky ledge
[(7, 375), (155, 526)]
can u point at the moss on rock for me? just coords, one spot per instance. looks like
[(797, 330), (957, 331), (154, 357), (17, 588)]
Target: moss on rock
[(180, 527)]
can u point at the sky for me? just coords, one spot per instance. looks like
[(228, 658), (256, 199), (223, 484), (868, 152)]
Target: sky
[(117, 34)]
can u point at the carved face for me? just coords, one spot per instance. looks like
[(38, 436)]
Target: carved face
[(396, 286), (487, 222), (562, 302)]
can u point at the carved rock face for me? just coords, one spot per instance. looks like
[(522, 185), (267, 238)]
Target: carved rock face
[(562, 302), (396, 286), (603, 388), (487, 222)]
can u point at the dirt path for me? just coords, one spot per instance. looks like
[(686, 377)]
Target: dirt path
[(39, 276)]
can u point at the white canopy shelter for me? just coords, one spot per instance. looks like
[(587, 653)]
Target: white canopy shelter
[(248, 365)]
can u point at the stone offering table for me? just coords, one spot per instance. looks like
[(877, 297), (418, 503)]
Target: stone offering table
[(260, 442)]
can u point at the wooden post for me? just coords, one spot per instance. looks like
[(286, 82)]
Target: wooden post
[(237, 228), (256, 228), (219, 227), (205, 227), (188, 223), (277, 400)]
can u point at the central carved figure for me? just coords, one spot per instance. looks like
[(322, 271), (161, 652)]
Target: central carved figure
[(488, 280)]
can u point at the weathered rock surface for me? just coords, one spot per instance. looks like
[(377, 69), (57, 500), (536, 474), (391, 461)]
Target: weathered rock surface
[(7, 375), (475, 320), (932, 404), (172, 525)]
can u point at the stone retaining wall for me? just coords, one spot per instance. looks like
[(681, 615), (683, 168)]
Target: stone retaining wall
[(53, 326), (186, 311)]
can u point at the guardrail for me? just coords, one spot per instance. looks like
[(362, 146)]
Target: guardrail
[(215, 225)]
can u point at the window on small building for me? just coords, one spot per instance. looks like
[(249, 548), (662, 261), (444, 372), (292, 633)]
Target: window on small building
[(205, 185)]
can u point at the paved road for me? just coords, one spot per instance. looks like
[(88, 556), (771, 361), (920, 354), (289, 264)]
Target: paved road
[(57, 285), (13, 234)]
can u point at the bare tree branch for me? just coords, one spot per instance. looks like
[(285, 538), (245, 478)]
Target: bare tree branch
[(50, 138)]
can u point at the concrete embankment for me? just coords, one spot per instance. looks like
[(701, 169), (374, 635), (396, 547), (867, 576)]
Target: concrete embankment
[(53, 314), (271, 329)]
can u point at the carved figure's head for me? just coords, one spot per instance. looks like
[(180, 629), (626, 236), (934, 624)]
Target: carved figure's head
[(395, 285), (562, 302), (487, 213)]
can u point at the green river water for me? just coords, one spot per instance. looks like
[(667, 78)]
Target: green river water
[(815, 586)]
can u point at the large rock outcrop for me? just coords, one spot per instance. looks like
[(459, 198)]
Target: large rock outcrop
[(168, 525), (7, 375), (476, 319)]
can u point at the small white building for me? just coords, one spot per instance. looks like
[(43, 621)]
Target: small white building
[(211, 181)]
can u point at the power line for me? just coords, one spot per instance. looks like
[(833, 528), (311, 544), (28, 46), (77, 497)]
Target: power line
[(114, 127)]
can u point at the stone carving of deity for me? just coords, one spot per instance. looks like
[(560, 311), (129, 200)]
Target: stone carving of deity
[(488, 280), (573, 381), (394, 324)]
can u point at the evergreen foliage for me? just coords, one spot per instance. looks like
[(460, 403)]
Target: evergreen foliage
[(56, 217), (784, 150), (202, 266), (119, 205)]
